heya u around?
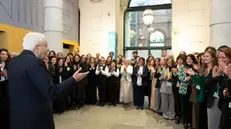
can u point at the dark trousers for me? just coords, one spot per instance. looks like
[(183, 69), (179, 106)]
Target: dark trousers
[(195, 115), (4, 106), (112, 91), (149, 92), (74, 96), (225, 122), (203, 119), (139, 96), (91, 93), (177, 103), (102, 93), (186, 109), (60, 103)]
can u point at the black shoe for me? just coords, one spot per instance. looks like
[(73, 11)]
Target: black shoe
[(109, 104), (177, 121), (98, 103), (137, 107), (160, 113), (114, 105), (142, 108), (101, 105), (185, 126)]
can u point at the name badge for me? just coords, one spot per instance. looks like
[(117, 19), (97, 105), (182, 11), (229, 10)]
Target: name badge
[(198, 87), (215, 95)]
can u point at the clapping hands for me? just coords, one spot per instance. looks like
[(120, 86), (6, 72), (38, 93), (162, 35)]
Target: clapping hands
[(225, 69), (216, 71), (79, 76), (190, 72), (3, 73)]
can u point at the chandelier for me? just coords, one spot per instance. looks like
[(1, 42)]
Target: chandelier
[(148, 17)]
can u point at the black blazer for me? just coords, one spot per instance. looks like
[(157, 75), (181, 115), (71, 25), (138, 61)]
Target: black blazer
[(210, 89), (31, 91)]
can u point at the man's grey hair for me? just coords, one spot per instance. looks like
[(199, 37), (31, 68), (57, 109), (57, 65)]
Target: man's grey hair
[(32, 39)]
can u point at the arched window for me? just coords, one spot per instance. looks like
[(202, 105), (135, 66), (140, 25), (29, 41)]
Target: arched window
[(157, 39), (137, 3), (147, 39)]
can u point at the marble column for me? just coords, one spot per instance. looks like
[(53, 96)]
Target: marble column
[(53, 24), (220, 25)]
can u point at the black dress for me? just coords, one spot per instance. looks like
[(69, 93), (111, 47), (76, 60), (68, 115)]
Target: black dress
[(91, 87), (82, 85), (4, 104), (59, 103), (74, 93), (224, 103)]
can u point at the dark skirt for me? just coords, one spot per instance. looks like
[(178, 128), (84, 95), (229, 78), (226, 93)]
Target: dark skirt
[(91, 92)]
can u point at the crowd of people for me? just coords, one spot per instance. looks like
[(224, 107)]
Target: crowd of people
[(192, 89)]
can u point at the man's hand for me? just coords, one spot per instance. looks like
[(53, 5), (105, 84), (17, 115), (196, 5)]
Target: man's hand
[(79, 76), (225, 92)]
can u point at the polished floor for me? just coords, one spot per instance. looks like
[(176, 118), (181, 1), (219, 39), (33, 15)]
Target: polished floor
[(93, 117)]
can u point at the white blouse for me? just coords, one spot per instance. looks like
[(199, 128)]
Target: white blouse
[(116, 74), (2, 77), (139, 78), (97, 72), (126, 75)]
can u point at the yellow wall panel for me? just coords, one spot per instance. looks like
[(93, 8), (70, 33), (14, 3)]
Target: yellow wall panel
[(14, 37), (11, 37)]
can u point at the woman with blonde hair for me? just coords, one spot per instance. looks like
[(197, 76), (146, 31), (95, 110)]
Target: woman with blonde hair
[(126, 89), (153, 79)]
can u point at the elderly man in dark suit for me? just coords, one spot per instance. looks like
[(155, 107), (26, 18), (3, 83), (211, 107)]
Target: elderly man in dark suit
[(31, 87)]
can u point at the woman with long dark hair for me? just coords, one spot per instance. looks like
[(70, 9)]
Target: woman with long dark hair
[(208, 91), (59, 103), (185, 90), (91, 87), (74, 95), (83, 83), (4, 94), (51, 54)]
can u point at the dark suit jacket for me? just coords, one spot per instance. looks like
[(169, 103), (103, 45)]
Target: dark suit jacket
[(210, 88), (144, 75), (31, 91)]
